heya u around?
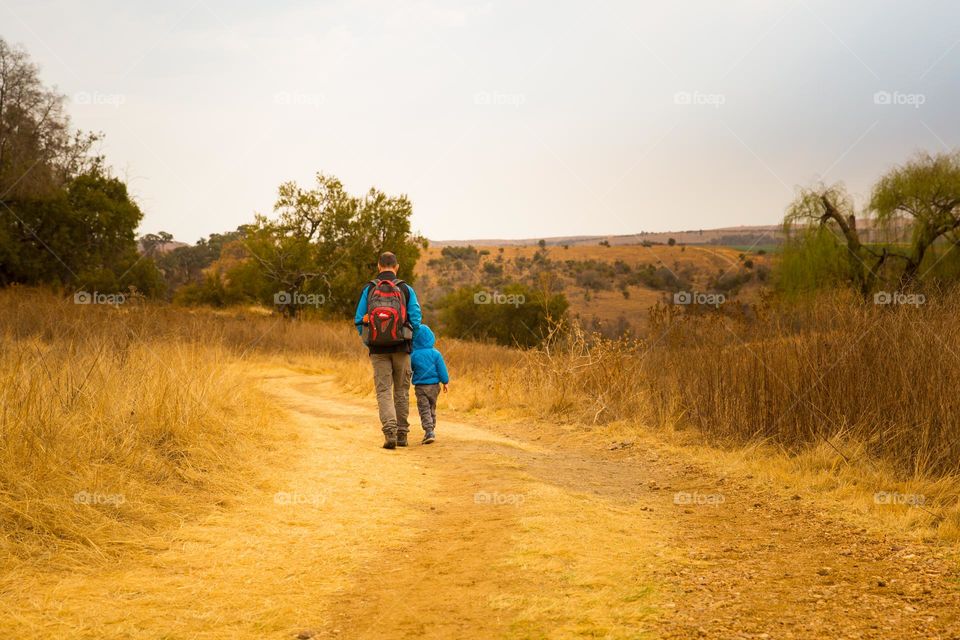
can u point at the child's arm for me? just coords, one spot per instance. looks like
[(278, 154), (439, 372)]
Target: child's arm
[(442, 372)]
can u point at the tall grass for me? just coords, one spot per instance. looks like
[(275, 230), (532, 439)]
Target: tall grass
[(831, 368), (115, 424)]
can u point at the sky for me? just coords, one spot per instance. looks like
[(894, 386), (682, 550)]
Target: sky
[(501, 119)]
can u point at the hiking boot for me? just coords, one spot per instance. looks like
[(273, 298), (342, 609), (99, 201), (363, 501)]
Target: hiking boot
[(402, 439), (389, 441), (429, 437)]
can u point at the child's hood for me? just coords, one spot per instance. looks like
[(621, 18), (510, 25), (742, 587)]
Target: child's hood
[(424, 338)]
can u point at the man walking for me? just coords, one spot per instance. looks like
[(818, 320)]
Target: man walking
[(387, 316)]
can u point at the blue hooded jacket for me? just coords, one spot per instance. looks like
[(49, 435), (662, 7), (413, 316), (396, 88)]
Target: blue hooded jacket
[(427, 362)]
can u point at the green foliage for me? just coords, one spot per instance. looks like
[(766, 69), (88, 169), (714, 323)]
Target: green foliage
[(516, 315), (64, 220), (323, 243), (811, 259), (466, 254), (921, 197)]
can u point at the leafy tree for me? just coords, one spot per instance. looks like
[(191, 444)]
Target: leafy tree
[(63, 219), (925, 192), (923, 195), (322, 241)]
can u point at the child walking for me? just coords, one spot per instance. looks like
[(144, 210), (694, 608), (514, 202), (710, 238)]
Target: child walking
[(429, 374)]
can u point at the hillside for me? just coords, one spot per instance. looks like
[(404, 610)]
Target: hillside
[(610, 288), (741, 235)]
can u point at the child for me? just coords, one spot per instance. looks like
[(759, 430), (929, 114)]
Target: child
[(429, 373)]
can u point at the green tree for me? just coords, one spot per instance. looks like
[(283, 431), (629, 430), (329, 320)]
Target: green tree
[(322, 241), (63, 219), (922, 195), (925, 193)]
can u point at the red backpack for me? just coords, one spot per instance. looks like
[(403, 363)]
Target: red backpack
[(387, 311)]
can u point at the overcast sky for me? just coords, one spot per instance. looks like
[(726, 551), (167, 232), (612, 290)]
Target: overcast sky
[(501, 118)]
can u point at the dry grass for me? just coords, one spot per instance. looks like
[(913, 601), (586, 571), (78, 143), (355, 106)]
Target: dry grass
[(111, 430), (148, 402)]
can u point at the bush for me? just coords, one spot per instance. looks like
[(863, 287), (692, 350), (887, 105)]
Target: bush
[(516, 315)]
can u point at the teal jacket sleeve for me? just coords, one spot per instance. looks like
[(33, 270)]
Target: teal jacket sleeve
[(442, 369), (414, 313), (361, 310)]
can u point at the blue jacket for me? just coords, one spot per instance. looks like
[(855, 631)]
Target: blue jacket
[(414, 314), (427, 362)]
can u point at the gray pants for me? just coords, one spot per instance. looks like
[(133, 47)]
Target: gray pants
[(427, 404), (391, 378)]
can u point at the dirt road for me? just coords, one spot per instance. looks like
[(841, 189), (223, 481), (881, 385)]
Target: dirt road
[(500, 531)]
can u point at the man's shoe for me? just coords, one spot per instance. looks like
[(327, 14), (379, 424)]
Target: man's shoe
[(402, 439), (429, 437), (390, 441)]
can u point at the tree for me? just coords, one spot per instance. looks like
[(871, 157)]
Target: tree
[(323, 242), (922, 194), (925, 191), (38, 151), (63, 219)]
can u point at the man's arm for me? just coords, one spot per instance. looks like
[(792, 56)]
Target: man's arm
[(414, 312), (361, 310)]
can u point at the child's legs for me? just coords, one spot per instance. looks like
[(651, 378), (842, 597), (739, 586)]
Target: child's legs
[(425, 406)]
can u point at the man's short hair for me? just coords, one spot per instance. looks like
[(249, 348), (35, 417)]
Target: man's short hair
[(387, 259)]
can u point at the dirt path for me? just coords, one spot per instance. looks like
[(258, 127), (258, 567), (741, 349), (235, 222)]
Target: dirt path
[(499, 531), (592, 542)]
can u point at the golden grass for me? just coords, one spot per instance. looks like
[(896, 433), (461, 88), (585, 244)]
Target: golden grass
[(112, 433)]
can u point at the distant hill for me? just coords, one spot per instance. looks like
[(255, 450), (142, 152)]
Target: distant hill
[(765, 234)]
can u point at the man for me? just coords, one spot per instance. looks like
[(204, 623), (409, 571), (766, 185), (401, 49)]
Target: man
[(387, 316)]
